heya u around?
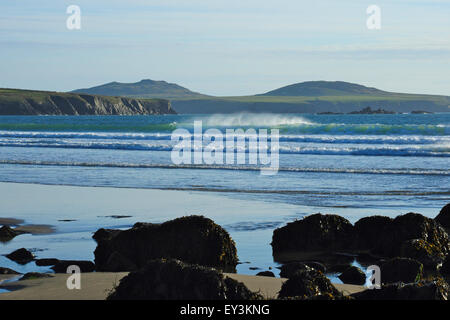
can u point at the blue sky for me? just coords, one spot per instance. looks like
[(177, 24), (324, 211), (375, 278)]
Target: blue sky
[(226, 47)]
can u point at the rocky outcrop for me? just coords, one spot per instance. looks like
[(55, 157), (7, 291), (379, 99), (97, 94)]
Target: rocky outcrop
[(368, 231), (445, 268), (21, 256), (175, 280), (414, 236), (192, 239), (353, 275), (319, 237), (308, 284), (401, 270), (25, 102), (437, 289), (444, 217), (317, 232)]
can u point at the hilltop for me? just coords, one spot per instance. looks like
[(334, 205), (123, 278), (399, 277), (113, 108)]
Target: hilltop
[(143, 89), (324, 88)]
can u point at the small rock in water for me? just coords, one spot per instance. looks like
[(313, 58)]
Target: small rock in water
[(7, 271), (35, 275), (46, 262), (21, 256), (266, 274), (353, 275)]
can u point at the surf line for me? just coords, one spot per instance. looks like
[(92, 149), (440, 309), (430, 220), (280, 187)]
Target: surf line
[(212, 147)]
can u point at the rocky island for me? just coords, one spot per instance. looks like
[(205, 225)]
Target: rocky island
[(369, 110)]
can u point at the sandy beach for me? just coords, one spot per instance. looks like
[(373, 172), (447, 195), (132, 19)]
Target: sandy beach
[(97, 285)]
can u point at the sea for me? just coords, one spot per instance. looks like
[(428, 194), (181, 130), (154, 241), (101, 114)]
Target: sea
[(352, 165)]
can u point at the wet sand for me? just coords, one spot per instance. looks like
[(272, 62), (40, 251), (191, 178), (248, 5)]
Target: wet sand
[(97, 285), (10, 221), (20, 226)]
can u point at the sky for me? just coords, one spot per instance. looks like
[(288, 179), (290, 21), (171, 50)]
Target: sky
[(226, 47)]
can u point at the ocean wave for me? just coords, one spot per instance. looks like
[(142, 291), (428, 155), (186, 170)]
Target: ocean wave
[(392, 171), (337, 139), (287, 125), (369, 129), (93, 127), (384, 150), (254, 120)]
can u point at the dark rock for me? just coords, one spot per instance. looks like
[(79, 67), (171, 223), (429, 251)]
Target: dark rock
[(104, 234), (175, 280), (445, 268), (21, 256), (368, 231), (317, 232), (7, 234), (118, 262), (444, 217), (289, 269), (401, 270), (266, 274), (62, 265), (236, 290), (35, 275), (368, 110), (393, 241), (353, 275), (193, 239), (46, 262), (7, 271), (437, 289), (338, 267), (427, 253), (306, 284), (316, 265)]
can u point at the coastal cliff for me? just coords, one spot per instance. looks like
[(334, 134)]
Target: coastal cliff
[(27, 102)]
